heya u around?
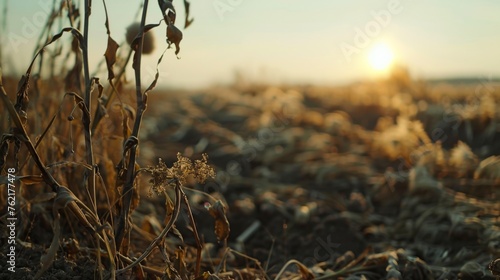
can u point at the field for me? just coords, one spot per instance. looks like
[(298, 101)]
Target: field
[(391, 179), (348, 181)]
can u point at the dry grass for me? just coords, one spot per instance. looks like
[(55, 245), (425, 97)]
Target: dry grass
[(61, 138)]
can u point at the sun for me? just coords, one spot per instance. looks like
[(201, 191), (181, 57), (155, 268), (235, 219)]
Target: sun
[(381, 57)]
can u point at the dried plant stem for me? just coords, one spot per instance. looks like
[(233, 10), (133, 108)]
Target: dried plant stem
[(87, 101), (284, 268), (199, 246), (154, 243), (89, 153), (123, 220)]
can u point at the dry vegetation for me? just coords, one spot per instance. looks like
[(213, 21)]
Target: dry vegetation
[(397, 179)]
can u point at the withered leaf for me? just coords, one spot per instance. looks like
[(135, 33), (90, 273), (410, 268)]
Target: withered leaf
[(150, 26), (76, 34), (112, 47), (63, 198), (168, 10), (101, 108), (180, 264), (188, 21), (30, 179), (110, 56), (304, 272), (218, 211), (174, 36), (157, 75), (22, 93), (169, 205), (177, 233)]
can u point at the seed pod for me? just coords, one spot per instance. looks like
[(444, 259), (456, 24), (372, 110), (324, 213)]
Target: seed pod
[(149, 40)]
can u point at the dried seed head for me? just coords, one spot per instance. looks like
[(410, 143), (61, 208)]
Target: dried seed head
[(164, 176), (149, 40)]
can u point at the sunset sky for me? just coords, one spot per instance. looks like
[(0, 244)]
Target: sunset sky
[(320, 41)]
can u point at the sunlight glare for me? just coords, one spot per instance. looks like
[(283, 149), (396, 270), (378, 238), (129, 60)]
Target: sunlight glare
[(381, 57)]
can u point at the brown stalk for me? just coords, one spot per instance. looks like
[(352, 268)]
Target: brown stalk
[(199, 246), (89, 154), (123, 226)]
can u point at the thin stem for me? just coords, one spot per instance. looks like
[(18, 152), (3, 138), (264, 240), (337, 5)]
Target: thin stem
[(123, 221), (87, 101), (199, 246), (284, 268)]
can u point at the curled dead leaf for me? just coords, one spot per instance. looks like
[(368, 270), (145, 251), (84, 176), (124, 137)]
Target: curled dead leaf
[(168, 10), (304, 272), (110, 56), (489, 168), (30, 179), (188, 21), (218, 211), (174, 36)]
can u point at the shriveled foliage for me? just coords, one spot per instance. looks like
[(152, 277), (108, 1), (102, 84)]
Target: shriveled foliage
[(75, 136)]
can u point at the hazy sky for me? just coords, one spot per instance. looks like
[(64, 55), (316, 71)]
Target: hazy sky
[(321, 41)]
